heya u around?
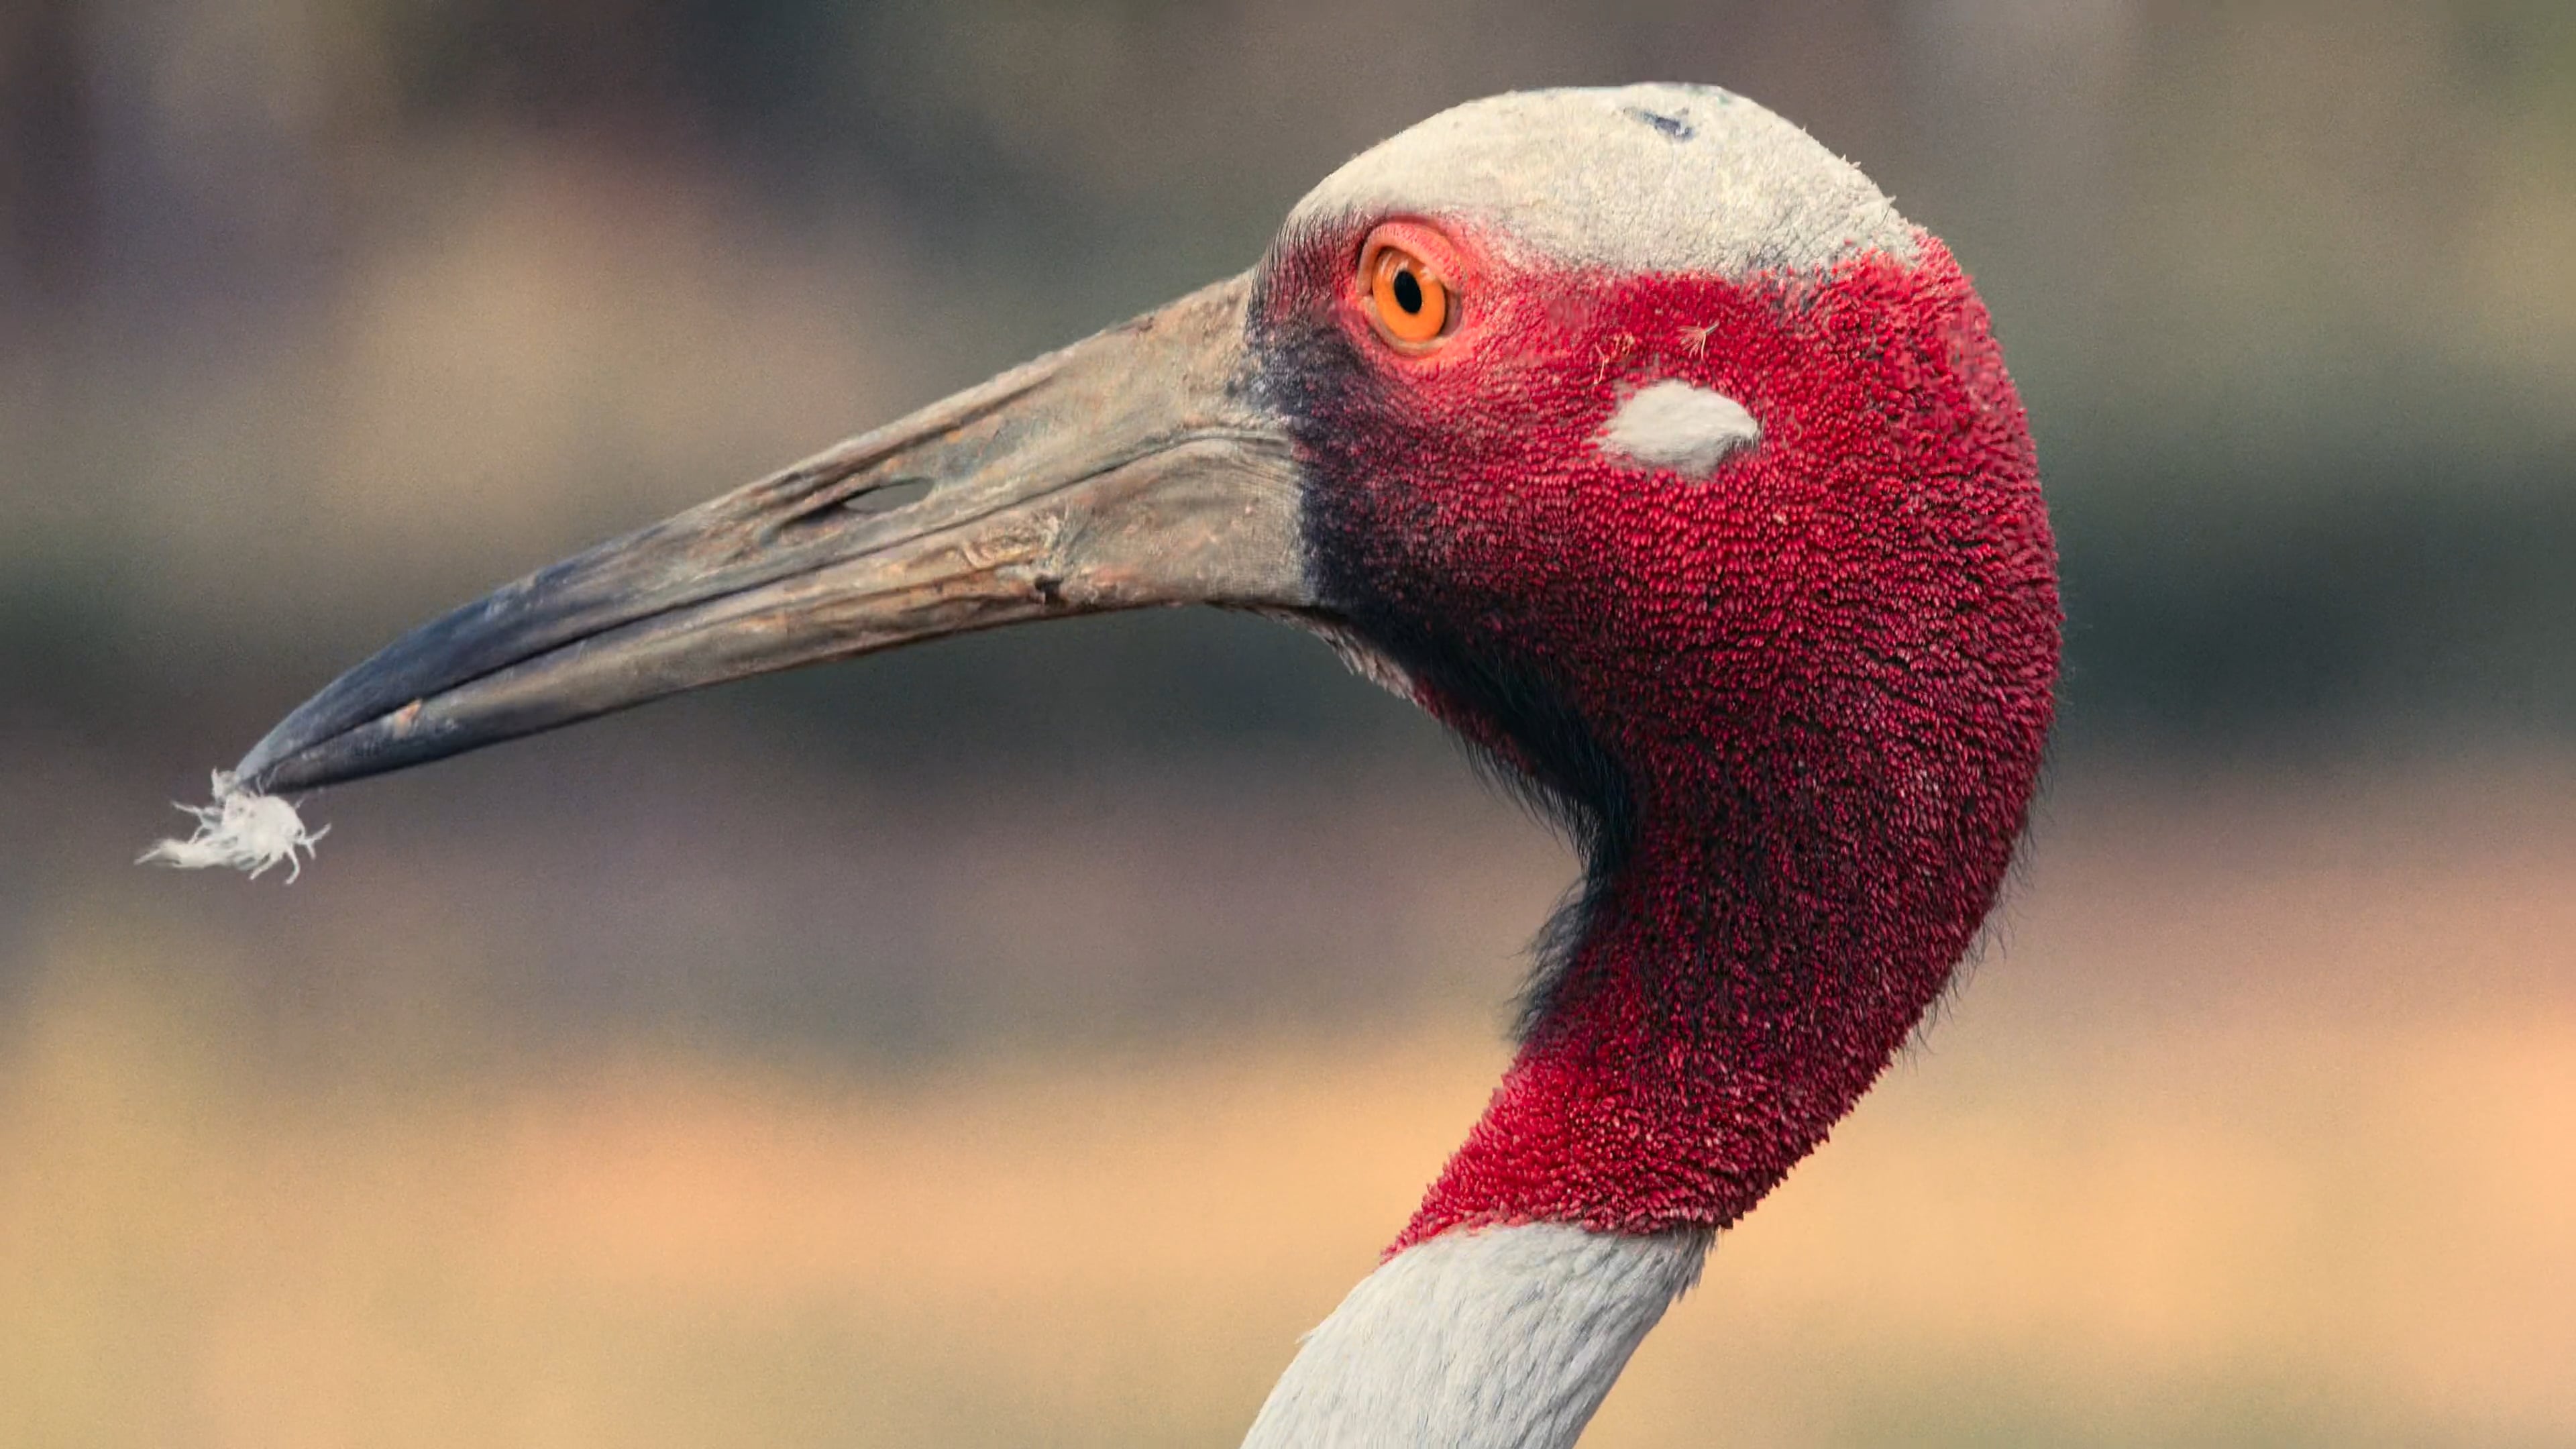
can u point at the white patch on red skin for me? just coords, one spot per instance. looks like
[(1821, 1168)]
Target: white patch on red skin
[(1826, 676), (1676, 426)]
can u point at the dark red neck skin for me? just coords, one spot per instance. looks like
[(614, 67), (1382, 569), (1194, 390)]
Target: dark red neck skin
[(1729, 1001), (1795, 712)]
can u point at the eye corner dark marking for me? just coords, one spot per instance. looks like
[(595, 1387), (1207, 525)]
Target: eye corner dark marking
[(1672, 126)]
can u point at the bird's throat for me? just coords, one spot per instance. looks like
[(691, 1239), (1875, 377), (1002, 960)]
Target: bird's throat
[(1763, 950)]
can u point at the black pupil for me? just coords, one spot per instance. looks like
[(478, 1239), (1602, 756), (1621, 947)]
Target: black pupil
[(1408, 291)]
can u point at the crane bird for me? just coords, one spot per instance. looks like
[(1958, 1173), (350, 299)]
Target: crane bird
[(1634, 436)]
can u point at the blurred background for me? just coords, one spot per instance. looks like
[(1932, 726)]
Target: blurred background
[(1022, 1039)]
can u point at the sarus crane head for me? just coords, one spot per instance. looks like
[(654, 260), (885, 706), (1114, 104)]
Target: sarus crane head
[(1635, 436)]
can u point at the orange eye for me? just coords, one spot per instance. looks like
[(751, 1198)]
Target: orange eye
[(1409, 302)]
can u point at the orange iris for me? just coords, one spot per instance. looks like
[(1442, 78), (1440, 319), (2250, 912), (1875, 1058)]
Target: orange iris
[(1411, 303)]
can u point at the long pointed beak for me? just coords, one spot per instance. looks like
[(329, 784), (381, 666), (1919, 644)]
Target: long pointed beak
[(1131, 469)]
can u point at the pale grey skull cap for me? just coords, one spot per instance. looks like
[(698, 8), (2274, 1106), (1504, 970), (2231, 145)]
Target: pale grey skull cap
[(1641, 178)]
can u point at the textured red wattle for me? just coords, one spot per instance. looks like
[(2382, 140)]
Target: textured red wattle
[(1824, 676)]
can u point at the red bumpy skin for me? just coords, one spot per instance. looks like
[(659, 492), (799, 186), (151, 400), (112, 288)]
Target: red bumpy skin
[(1797, 709)]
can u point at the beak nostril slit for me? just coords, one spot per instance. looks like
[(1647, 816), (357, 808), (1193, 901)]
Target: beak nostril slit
[(871, 501), (889, 496)]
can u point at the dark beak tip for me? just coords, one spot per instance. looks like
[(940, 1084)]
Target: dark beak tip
[(255, 770)]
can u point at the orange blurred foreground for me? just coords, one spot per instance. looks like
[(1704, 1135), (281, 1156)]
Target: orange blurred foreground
[(2257, 1131)]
